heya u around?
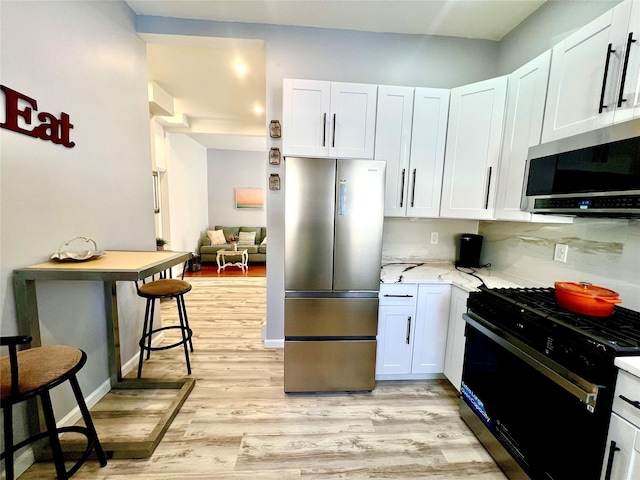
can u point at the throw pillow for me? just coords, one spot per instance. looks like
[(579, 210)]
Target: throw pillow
[(247, 238), (216, 237), (264, 242)]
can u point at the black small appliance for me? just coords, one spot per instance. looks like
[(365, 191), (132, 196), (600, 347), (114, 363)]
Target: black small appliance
[(470, 247)]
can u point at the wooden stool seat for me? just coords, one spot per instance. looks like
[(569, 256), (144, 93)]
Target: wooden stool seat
[(34, 372), (164, 288), (38, 367), (156, 290)]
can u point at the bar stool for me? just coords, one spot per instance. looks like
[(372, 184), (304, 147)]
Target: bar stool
[(157, 290), (34, 372)]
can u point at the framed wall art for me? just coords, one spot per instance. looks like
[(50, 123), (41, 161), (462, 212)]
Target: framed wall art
[(249, 198)]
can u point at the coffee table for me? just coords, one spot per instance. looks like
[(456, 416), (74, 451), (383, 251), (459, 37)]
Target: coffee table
[(223, 254)]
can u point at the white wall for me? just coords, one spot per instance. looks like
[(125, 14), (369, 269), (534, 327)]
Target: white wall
[(551, 23), (335, 55), (186, 184), (228, 170), (83, 58)]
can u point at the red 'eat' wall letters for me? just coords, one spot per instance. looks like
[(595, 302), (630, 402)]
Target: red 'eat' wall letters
[(50, 127)]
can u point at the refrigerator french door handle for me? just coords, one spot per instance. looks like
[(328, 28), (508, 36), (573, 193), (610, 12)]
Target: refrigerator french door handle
[(413, 187), (324, 129), (623, 79), (408, 329), (342, 197), (402, 189), (602, 106)]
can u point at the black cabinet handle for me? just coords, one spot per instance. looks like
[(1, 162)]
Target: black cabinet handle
[(486, 202), (413, 187), (604, 78), (402, 189), (388, 295), (408, 329), (612, 452), (324, 130), (621, 99), (635, 403), (333, 140)]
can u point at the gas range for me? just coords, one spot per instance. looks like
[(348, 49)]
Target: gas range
[(580, 343), (533, 370)]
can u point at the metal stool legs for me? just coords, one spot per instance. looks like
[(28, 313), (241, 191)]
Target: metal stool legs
[(149, 331), (89, 431)]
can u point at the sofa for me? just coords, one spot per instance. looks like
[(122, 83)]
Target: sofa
[(257, 250)]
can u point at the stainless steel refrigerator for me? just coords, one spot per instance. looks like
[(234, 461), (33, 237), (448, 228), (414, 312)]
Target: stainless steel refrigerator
[(333, 247)]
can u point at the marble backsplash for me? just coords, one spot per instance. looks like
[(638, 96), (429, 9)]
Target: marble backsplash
[(408, 240), (604, 252)]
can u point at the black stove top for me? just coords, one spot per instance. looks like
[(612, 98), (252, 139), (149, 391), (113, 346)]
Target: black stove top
[(621, 330), (583, 344)]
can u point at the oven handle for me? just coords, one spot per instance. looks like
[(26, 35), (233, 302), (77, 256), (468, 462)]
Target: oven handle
[(587, 397)]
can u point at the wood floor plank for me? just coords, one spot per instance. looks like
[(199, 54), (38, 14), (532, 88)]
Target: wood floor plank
[(238, 423)]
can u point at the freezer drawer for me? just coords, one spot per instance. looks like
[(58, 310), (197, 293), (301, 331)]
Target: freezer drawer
[(330, 317), (329, 366)]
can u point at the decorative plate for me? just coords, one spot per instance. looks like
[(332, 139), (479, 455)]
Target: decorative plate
[(82, 254)]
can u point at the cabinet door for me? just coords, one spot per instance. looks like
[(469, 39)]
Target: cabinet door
[(353, 120), (432, 318), (628, 103), (393, 140), (626, 437), (577, 84), (472, 155), (428, 140), (455, 337), (305, 122), (395, 324), (523, 128)]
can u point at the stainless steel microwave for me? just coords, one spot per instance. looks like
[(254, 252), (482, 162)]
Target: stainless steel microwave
[(592, 174)]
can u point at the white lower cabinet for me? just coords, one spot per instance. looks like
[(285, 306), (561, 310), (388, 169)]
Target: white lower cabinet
[(412, 331), (455, 337), (623, 463)]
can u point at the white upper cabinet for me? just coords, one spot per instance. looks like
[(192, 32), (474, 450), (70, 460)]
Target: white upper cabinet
[(474, 138), (328, 119), (523, 128), (393, 144), (411, 130), (428, 140), (586, 75)]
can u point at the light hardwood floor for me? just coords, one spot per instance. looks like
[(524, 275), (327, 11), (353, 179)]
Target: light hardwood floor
[(239, 424)]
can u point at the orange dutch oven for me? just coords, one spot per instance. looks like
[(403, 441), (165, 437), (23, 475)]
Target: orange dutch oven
[(586, 299)]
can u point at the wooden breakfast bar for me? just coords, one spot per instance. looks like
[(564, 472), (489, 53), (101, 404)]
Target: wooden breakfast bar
[(112, 267)]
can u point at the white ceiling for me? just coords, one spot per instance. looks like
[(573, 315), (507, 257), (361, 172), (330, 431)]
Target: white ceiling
[(219, 104), (486, 19)]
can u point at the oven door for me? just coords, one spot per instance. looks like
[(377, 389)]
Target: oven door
[(534, 421)]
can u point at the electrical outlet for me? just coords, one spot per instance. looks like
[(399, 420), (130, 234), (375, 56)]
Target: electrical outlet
[(560, 254), (434, 237)]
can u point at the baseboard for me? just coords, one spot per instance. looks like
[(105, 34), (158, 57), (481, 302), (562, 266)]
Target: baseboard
[(133, 361), (23, 461), (274, 343)]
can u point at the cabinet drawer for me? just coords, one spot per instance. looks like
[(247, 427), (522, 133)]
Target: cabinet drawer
[(398, 294), (628, 386)]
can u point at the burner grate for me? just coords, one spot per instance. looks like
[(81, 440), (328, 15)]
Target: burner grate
[(621, 329)]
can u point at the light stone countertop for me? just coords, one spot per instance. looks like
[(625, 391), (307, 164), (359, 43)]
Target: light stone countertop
[(444, 273), (629, 364)]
